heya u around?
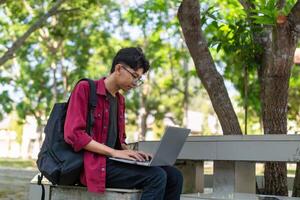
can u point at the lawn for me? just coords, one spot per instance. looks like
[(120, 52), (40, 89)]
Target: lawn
[(17, 163)]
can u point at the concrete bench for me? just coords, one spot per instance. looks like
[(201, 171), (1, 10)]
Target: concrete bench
[(54, 192), (234, 158), (233, 196)]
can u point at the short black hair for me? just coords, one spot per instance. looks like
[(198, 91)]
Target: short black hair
[(131, 56)]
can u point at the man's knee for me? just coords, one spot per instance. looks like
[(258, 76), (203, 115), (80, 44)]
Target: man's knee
[(174, 176), (158, 176), (178, 176)]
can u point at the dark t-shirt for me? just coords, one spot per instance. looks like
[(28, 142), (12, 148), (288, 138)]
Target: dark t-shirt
[(113, 122)]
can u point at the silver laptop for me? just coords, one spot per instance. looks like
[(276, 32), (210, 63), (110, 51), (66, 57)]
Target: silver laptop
[(168, 148)]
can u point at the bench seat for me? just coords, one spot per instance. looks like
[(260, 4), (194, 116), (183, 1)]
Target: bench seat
[(55, 192)]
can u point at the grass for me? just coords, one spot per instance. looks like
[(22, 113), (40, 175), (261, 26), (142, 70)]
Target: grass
[(3, 194), (17, 163)]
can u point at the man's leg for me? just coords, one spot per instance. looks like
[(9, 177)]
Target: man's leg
[(174, 183), (152, 180)]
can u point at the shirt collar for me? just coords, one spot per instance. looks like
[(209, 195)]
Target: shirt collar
[(101, 90)]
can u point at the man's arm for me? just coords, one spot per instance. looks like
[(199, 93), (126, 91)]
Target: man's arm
[(99, 148), (102, 149), (124, 146), (75, 133)]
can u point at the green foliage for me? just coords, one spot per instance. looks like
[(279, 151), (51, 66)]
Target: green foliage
[(5, 103), (56, 56), (233, 42), (229, 33), (267, 11), (294, 93), (82, 38), (159, 25), (16, 125), (80, 41)]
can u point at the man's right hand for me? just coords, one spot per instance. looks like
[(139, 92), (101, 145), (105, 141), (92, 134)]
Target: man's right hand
[(128, 154), (102, 149)]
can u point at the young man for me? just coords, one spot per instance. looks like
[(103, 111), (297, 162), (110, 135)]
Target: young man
[(108, 138)]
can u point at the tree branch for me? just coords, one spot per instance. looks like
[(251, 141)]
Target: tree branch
[(68, 10), (2, 1), (189, 19), (280, 4), (294, 18), (20, 41), (247, 5)]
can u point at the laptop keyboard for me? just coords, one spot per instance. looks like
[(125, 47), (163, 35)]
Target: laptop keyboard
[(145, 161)]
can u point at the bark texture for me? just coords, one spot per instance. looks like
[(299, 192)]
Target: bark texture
[(277, 60)]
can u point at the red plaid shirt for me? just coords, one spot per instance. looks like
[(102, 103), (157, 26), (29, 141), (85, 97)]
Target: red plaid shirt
[(94, 172)]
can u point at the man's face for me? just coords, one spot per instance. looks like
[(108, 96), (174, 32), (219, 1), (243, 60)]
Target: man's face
[(128, 78)]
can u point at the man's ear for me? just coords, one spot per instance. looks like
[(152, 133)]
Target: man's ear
[(117, 68)]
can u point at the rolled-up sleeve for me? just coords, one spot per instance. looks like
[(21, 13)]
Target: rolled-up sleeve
[(75, 124)]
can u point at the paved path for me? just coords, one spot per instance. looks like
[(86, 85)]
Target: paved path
[(14, 183)]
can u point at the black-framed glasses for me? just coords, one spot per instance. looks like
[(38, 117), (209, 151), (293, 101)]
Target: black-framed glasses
[(138, 81)]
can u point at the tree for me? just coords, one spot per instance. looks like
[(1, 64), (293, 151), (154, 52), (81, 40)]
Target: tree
[(55, 56), (277, 34), (167, 78), (80, 40)]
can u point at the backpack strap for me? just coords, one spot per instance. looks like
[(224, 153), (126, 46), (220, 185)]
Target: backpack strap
[(91, 104), (40, 178)]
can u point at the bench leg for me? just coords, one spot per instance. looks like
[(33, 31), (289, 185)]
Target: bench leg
[(199, 178), (193, 173), (234, 177)]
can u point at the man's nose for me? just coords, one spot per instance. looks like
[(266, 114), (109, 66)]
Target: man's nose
[(133, 83)]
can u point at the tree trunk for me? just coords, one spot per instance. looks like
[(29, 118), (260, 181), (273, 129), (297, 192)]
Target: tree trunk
[(276, 179), (144, 113), (278, 43), (275, 73), (246, 77), (185, 94), (296, 188), (144, 117), (189, 19), (55, 89)]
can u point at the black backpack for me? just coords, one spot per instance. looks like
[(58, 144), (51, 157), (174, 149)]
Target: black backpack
[(57, 160)]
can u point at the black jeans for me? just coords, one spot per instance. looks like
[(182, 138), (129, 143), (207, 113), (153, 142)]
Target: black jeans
[(157, 183)]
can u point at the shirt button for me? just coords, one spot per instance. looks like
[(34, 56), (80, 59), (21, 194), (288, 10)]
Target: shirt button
[(106, 110), (103, 169), (99, 115), (104, 126)]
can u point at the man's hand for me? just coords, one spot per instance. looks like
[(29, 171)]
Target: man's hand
[(146, 156), (131, 155)]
